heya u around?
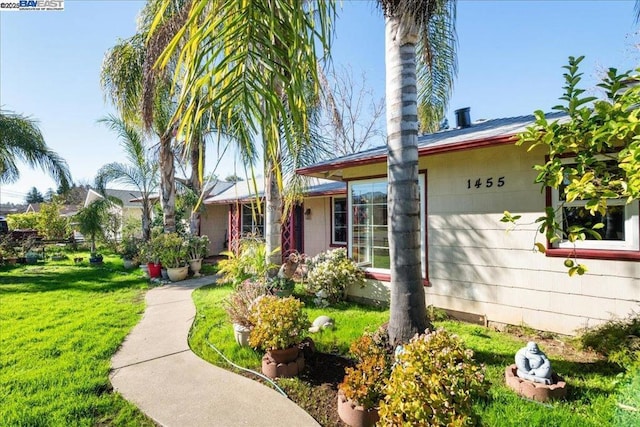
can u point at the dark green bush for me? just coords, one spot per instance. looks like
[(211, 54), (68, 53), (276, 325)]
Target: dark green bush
[(618, 340)]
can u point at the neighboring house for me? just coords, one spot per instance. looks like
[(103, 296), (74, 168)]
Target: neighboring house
[(312, 227), (128, 209), (471, 264)]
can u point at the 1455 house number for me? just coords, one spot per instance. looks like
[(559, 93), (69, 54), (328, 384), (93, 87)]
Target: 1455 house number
[(485, 182)]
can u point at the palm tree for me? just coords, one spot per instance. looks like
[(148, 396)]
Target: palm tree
[(122, 78), (257, 58), (254, 62), (426, 27), (91, 220), (140, 171), (21, 140)]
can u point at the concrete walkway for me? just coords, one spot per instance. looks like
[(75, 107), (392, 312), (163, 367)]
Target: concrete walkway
[(155, 370)]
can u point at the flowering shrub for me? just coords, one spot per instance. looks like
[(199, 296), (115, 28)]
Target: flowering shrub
[(332, 271), (433, 383), (279, 323), (365, 383), (238, 304)]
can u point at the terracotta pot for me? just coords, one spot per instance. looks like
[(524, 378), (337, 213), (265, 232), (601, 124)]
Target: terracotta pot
[(283, 356), (241, 334), (154, 270), (196, 265), (355, 415), (178, 274)]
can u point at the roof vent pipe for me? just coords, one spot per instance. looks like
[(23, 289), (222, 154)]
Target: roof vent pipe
[(463, 117)]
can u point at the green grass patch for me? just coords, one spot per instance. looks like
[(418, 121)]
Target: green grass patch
[(596, 388), (60, 323)]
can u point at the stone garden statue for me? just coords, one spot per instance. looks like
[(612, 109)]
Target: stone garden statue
[(533, 364)]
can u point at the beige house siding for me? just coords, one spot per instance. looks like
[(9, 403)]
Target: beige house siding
[(214, 222), (317, 227), (475, 266)]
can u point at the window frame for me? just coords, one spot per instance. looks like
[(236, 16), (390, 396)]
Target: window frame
[(380, 273), (254, 226), (627, 250), (334, 242)]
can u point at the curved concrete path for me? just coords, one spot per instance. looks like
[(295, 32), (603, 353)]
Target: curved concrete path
[(155, 370)]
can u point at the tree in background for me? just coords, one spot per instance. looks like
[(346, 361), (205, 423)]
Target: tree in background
[(351, 117), (233, 178), (34, 196), (50, 224), (140, 170), (21, 140)]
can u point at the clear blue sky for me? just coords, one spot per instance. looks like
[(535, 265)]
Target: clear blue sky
[(510, 57)]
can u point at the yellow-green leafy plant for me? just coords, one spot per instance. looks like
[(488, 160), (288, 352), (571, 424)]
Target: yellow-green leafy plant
[(433, 382), (172, 249), (249, 262), (365, 383), (331, 272), (278, 323)]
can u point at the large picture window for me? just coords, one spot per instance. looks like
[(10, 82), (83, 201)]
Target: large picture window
[(369, 224), (339, 221), (620, 222), (252, 220)]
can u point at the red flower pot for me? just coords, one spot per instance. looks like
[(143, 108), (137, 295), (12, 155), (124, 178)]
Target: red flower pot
[(154, 269)]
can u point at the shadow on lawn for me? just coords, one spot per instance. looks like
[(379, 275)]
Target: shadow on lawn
[(43, 278)]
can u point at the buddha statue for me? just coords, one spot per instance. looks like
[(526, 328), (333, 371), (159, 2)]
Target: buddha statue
[(533, 364)]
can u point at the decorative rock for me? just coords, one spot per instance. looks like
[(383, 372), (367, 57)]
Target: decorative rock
[(533, 390), (321, 323)]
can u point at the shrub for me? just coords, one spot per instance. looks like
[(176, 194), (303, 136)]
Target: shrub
[(238, 303), (279, 323), (171, 249), (331, 272), (618, 340), (433, 383), (198, 246), (365, 382)]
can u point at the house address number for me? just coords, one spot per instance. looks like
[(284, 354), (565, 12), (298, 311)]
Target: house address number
[(485, 182)]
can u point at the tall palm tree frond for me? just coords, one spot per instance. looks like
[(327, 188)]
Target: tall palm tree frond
[(21, 140)]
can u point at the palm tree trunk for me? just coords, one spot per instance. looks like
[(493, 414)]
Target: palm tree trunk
[(167, 184), (408, 308), (146, 219), (197, 157), (273, 215)]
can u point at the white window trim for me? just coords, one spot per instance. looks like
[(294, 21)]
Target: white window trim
[(632, 232), (253, 222), (423, 249), (333, 221)]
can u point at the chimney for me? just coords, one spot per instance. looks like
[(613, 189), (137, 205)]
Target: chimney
[(463, 118)]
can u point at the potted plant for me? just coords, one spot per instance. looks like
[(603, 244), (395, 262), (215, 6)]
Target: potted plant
[(198, 247), (173, 253), (279, 324), (280, 286), (238, 308), (91, 220), (331, 273), (362, 389), (129, 251), (152, 251)]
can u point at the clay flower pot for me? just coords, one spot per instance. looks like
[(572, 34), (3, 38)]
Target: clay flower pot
[(241, 334), (283, 356), (353, 414), (196, 265)]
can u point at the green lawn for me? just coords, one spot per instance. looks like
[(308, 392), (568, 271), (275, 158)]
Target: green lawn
[(60, 323), (594, 387)]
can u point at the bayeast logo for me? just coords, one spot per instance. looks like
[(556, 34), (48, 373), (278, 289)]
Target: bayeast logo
[(41, 4)]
